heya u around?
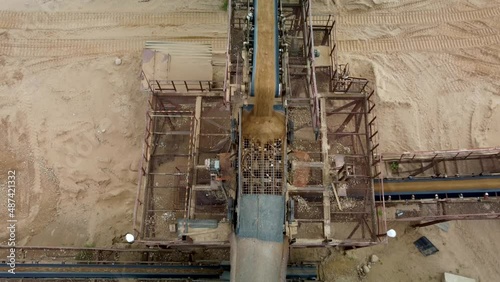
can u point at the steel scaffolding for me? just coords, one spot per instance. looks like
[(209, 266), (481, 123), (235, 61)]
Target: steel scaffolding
[(476, 165), (182, 131)]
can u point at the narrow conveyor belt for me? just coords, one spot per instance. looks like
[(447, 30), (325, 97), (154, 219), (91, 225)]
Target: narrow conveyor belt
[(440, 185)]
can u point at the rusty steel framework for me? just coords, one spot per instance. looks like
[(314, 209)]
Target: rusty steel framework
[(182, 130), (174, 186), (332, 170), (338, 193), (478, 165), (449, 162), (183, 86), (345, 100), (333, 158), (342, 125)]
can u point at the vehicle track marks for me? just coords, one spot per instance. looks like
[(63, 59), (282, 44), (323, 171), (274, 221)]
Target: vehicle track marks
[(420, 44), (80, 47), (75, 20), (417, 17), (44, 63)]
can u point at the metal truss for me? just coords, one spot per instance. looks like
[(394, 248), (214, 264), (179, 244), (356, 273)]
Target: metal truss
[(182, 131), (481, 166)]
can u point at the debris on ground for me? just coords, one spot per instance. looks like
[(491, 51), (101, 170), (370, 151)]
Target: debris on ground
[(365, 267)]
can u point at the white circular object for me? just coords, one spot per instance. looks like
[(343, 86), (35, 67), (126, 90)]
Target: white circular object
[(130, 238), (391, 233), (118, 61)]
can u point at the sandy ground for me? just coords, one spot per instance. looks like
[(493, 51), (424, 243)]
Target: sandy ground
[(468, 248), (436, 67), (72, 121)]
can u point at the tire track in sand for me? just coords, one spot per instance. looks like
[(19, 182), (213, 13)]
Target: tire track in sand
[(80, 47), (420, 44), (416, 17), (76, 20), (38, 64), (448, 30), (33, 206)]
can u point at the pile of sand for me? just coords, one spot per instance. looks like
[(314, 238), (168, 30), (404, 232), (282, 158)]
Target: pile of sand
[(82, 125), (436, 71)]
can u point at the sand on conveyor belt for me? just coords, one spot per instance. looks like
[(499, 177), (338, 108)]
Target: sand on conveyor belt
[(263, 123), (263, 129)]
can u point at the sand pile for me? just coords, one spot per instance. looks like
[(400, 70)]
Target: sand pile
[(436, 71)]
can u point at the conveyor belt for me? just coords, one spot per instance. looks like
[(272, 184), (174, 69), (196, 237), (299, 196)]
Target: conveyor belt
[(478, 184), (112, 271), (265, 75), (258, 249)]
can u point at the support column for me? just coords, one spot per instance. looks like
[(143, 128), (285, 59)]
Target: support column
[(196, 143), (326, 170), (369, 152)]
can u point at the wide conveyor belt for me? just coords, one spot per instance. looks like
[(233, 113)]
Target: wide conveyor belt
[(265, 74)]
